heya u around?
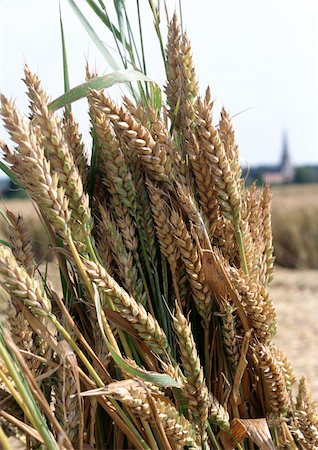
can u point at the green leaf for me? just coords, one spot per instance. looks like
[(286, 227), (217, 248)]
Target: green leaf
[(119, 7), (99, 44), (65, 64), (106, 81), (103, 16)]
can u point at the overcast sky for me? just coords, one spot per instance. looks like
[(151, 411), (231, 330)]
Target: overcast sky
[(260, 55)]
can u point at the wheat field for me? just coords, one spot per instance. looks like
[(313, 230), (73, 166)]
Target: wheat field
[(295, 225)]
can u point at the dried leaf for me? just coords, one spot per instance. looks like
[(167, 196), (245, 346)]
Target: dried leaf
[(255, 429)]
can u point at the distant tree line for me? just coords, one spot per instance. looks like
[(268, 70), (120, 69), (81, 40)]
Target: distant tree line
[(306, 174)]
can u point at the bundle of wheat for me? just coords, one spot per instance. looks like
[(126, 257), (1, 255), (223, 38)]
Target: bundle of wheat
[(160, 335)]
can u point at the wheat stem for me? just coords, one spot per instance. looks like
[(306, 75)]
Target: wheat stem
[(212, 437), (4, 441), (35, 416), (76, 348), (90, 288)]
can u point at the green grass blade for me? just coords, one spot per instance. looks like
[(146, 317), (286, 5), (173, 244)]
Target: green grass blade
[(65, 64), (107, 55), (156, 22), (36, 417), (106, 81), (155, 97), (103, 16), (132, 44), (144, 67), (135, 58), (119, 7)]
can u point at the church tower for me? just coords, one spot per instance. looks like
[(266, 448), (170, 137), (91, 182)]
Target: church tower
[(286, 167)]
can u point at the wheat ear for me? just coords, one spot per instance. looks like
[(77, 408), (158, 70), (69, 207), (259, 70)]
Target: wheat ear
[(191, 258), (227, 137), (75, 144), (257, 306), (19, 284), (115, 167), (136, 396), (67, 408), (58, 152), (286, 367), (229, 331), (22, 247), (174, 69), (218, 413), (36, 174), (204, 183), (267, 235), (274, 378), (155, 161), (305, 401), (195, 387), (160, 213), (308, 431), (227, 187), (146, 326), (127, 270)]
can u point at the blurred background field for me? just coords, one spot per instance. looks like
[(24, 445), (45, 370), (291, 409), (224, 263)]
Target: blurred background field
[(295, 286), (295, 225)]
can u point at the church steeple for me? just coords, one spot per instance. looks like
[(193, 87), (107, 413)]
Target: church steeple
[(286, 167)]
